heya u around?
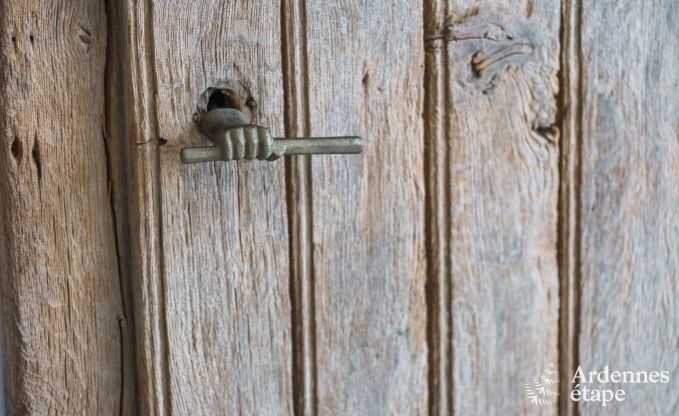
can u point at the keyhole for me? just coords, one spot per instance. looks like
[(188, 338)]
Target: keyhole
[(228, 94), (222, 98)]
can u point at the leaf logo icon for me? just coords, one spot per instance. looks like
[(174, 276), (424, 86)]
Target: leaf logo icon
[(543, 388)]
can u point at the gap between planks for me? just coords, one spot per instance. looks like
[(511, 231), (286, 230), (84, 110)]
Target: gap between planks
[(300, 211), (569, 120), (437, 222)]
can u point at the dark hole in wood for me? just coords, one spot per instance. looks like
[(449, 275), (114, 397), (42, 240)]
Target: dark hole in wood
[(16, 148), (221, 99), (36, 158), (475, 65)]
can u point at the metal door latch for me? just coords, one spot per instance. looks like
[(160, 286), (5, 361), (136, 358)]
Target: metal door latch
[(234, 139)]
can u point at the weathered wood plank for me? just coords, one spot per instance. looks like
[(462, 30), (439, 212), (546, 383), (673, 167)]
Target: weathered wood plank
[(365, 72), (629, 196), (500, 176), (223, 225), (63, 324), (132, 131)]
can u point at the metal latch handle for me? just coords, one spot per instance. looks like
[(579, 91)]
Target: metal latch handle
[(236, 140)]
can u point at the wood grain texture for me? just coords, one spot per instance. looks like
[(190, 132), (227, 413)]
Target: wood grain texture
[(500, 175), (62, 314), (630, 197), (223, 225), (365, 77), (132, 130)]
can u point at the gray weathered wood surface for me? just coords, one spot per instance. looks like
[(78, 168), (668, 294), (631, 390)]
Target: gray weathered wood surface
[(517, 205), (628, 242), (223, 227), (494, 154), (365, 74), (208, 244)]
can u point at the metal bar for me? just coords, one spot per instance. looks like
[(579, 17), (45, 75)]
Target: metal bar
[(315, 145), (200, 154), (322, 145)]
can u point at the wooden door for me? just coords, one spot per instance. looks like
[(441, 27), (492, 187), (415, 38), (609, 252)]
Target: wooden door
[(516, 206)]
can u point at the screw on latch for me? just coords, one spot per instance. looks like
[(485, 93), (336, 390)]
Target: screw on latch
[(237, 140)]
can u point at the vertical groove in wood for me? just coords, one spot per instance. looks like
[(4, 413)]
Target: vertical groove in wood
[(300, 217), (154, 305), (132, 124), (116, 165), (439, 321), (569, 119)]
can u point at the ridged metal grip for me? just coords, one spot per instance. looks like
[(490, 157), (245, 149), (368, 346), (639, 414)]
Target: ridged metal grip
[(236, 140)]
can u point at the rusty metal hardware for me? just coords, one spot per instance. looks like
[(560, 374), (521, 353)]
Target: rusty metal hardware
[(234, 139)]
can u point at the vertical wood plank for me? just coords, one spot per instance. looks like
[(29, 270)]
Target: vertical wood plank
[(365, 64), (63, 324), (500, 172), (132, 129), (223, 225), (208, 243), (630, 197)]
